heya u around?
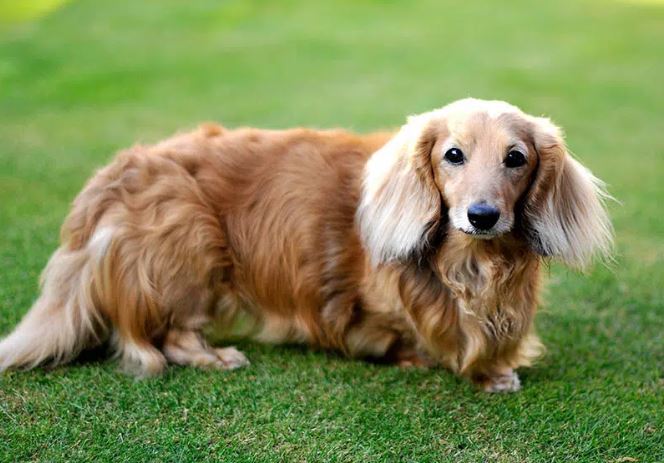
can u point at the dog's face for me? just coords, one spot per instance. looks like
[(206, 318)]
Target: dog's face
[(483, 168), (483, 161)]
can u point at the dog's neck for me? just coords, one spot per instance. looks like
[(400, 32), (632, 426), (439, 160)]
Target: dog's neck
[(480, 271)]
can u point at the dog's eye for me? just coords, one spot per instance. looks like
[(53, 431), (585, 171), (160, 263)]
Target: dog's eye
[(454, 156), (514, 159)]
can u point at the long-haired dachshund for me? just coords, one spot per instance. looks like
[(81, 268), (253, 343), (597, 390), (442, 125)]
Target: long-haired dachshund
[(422, 247)]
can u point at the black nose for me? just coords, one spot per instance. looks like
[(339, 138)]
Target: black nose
[(483, 216)]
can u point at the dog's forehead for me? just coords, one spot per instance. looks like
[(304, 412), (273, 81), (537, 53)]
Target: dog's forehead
[(475, 120), (469, 106)]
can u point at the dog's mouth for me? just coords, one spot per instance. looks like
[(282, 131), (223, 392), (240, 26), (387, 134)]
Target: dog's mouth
[(480, 234)]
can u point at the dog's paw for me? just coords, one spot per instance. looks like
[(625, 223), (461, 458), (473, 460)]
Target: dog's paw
[(503, 383), (231, 358)]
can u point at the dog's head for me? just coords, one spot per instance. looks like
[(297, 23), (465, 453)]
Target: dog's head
[(486, 169)]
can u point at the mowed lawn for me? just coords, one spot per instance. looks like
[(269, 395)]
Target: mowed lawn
[(92, 77)]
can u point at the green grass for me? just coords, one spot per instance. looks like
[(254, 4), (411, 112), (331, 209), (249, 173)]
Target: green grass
[(95, 76)]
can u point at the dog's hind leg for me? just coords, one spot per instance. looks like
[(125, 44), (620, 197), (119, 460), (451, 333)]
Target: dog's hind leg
[(187, 347), (141, 359)]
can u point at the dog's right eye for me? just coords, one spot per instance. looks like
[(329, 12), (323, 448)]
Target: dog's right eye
[(454, 156)]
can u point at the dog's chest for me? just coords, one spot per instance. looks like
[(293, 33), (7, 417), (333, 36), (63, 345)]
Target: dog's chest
[(483, 290)]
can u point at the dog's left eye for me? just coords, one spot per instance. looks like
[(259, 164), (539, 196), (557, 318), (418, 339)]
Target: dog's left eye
[(514, 159)]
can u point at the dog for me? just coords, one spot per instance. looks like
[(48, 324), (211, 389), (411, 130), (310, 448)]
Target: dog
[(421, 247)]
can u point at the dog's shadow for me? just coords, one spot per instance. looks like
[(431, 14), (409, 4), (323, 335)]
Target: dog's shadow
[(262, 354)]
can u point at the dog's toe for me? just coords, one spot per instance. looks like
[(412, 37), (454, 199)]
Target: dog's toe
[(503, 383), (231, 358)]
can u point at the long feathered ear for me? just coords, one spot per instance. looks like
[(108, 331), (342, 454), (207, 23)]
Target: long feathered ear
[(565, 213), (400, 205)]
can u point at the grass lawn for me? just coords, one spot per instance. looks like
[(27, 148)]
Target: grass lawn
[(90, 77)]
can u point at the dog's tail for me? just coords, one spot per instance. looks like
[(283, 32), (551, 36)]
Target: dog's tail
[(65, 319)]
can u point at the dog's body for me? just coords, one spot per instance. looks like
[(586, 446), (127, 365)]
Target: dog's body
[(348, 242)]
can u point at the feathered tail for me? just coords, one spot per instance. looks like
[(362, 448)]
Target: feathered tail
[(64, 320)]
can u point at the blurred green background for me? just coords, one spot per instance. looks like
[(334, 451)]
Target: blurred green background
[(81, 79)]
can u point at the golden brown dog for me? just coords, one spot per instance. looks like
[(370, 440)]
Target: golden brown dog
[(421, 247)]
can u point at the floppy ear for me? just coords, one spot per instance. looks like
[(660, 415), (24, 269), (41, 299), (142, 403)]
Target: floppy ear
[(400, 206), (564, 212)]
